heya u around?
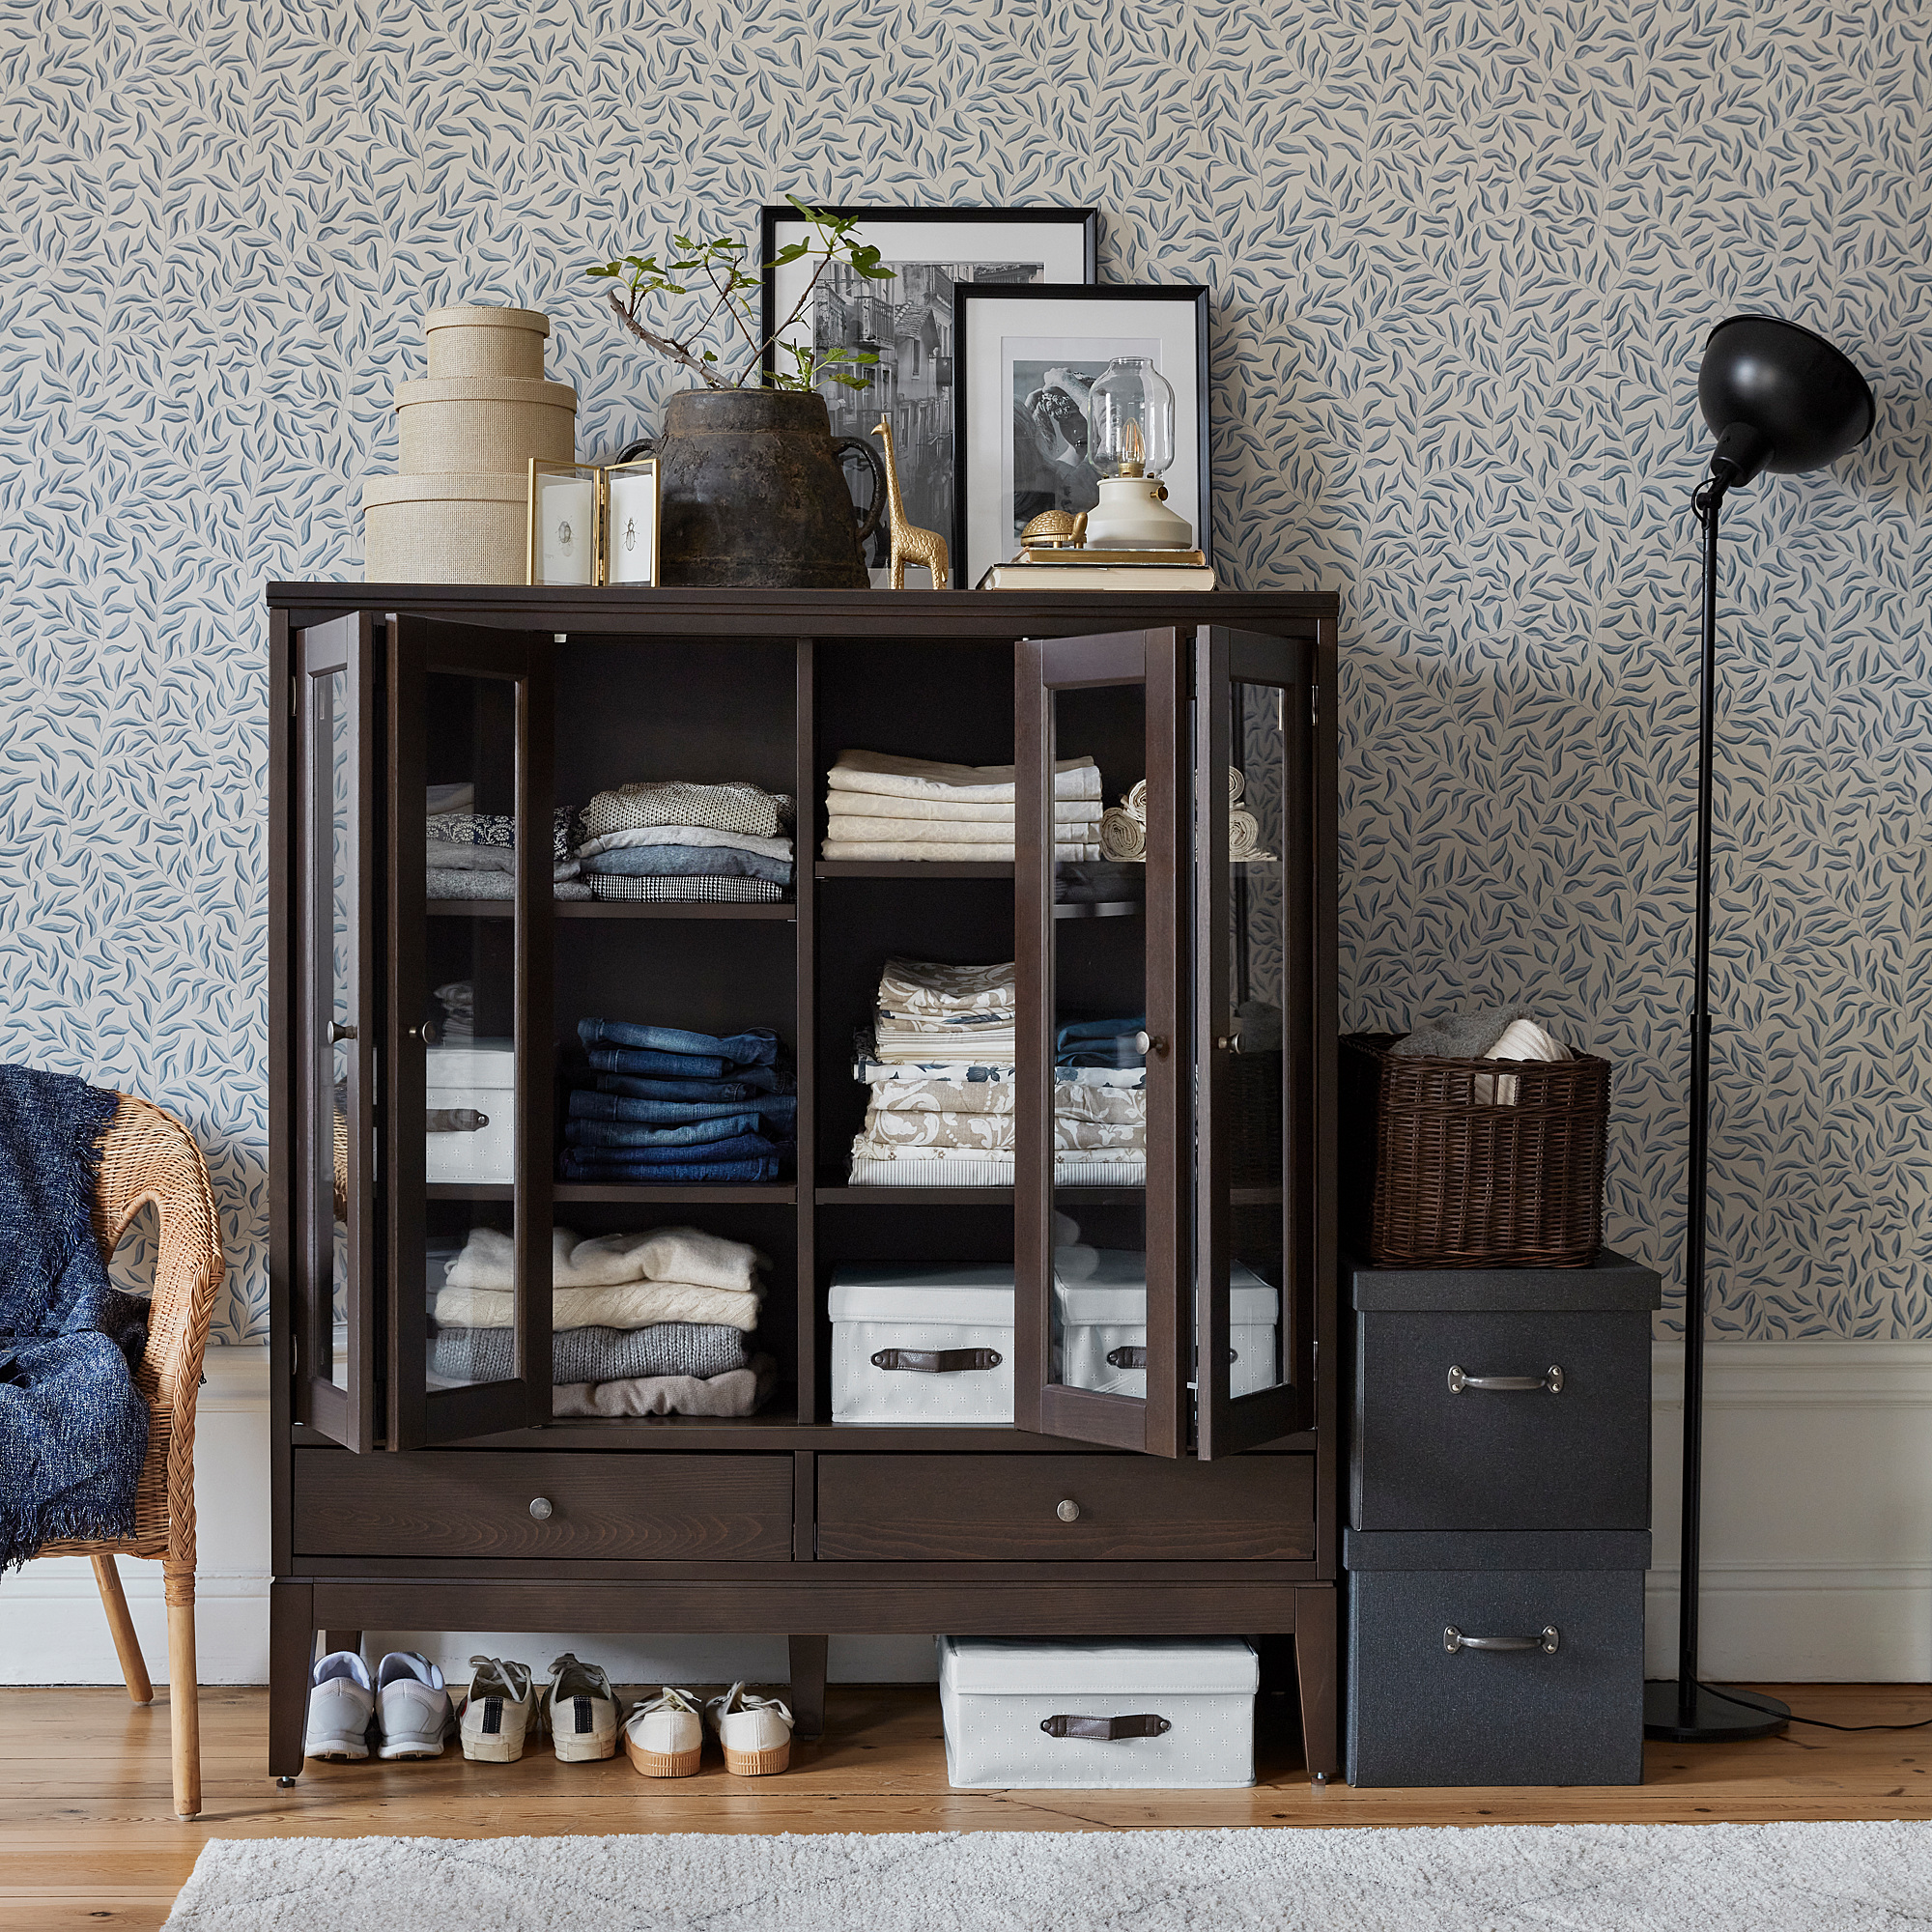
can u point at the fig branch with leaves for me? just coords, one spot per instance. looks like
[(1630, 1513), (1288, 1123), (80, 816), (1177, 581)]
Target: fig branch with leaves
[(716, 268)]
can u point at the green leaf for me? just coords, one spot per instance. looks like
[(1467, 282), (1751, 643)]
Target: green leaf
[(790, 253)]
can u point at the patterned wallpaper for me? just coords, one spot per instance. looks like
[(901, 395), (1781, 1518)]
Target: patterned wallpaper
[(1463, 254)]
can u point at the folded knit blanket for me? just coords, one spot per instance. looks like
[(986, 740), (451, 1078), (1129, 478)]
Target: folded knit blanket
[(885, 773), (724, 808), (74, 1428), (739, 1393), (636, 1304), (594, 1354), (488, 1260)]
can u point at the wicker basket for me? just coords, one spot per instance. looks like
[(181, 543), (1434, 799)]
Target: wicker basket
[(1438, 1175)]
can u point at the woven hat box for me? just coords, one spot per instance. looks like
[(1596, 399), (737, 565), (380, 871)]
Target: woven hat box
[(1097, 1713), (922, 1343), (1099, 1326), (472, 1112)]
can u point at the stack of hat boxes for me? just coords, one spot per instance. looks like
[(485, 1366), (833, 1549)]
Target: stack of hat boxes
[(457, 511), (1499, 1523)]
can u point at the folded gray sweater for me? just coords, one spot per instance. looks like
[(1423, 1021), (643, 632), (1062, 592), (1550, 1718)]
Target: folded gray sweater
[(1462, 1036), (596, 1354)]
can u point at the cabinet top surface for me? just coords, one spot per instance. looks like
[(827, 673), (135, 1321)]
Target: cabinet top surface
[(930, 616)]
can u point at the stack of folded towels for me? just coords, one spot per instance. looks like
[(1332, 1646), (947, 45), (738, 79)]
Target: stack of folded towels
[(938, 1065), (669, 840), (880, 805), (668, 1108), (642, 1325), (473, 855)]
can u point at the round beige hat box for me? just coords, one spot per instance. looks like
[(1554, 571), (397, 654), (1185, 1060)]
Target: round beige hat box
[(449, 528), (490, 423), (469, 340)]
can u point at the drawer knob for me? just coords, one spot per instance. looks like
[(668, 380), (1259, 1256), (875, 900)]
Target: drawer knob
[(1546, 1641), (1551, 1380), (1151, 1042), (540, 1508), (1069, 1511)]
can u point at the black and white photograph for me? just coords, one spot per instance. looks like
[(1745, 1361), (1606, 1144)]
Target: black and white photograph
[(909, 323)]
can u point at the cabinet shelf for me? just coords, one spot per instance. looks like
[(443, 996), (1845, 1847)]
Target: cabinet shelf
[(782, 910), (777, 1194), (965, 1197)]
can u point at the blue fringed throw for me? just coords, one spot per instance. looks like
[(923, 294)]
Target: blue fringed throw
[(74, 1428)]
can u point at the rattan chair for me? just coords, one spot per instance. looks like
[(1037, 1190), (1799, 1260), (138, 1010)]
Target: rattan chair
[(148, 1156)]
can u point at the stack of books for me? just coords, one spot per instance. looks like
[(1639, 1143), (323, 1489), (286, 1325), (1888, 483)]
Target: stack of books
[(1082, 569)]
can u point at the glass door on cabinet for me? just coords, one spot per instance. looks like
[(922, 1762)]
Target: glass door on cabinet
[(471, 875), (1103, 1320), (1253, 1048), (336, 873)]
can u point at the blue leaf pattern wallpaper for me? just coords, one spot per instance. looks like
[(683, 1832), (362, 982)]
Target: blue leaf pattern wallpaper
[(1463, 254)]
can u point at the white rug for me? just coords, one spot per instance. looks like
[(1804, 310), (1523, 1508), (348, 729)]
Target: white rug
[(1498, 1878)]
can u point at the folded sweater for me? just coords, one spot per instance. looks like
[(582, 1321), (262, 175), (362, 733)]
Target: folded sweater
[(594, 1354), (738, 1393), (488, 1260), (635, 1304)]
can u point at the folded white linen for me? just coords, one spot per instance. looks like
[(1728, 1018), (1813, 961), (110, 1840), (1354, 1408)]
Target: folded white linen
[(684, 835), (884, 772), (947, 831), (1081, 812), (874, 1167), (736, 1392), (631, 1304), (938, 854), (1116, 1105), (994, 1132), (488, 1260)]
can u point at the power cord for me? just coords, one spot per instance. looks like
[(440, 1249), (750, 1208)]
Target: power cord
[(1817, 1723)]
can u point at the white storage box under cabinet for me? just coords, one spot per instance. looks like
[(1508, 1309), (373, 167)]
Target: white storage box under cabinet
[(918, 1342), (1135, 1714), (1099, 1325), (472, 1112)]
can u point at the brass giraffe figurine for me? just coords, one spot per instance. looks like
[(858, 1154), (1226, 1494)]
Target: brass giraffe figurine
[(910, 543)]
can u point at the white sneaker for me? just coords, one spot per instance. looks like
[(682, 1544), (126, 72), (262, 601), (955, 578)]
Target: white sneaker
[(582, 1711), (414, 1706), (665, 1737), (341, 1707), (499, 1712), (754, 1731)]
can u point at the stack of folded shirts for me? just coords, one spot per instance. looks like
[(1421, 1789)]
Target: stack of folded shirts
[(670, 839), (473, 855), (668, 1108), (880, 805), (940, 1107), (642, 1325)]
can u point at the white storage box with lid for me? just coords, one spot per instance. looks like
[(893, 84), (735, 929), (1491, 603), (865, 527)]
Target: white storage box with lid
[(1162, 1713), (472, 1112), (923, 1342), (1100, 1324)]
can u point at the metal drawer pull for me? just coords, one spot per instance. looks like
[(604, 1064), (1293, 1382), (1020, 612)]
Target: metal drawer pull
[(1106, 1729), (1454, 1640), (454, 1121), (1551, 1381), (937, 1361), (1128, 1357), (1067, 1510), (337, 1033), (1145, 1043), (540, 1508)]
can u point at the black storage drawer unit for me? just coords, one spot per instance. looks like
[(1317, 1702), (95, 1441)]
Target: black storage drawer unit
[(1495, 1660), (1509, 1399)]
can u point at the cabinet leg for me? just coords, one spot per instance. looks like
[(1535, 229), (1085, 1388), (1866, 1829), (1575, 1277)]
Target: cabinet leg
[(1315, 1670), (334, 1641), (291, 1653), (808, 1684)]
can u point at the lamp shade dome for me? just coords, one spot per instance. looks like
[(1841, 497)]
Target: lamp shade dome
[(1779, 398)]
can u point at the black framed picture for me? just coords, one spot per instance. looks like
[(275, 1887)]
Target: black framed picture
[(1028, 359), (910, 323)]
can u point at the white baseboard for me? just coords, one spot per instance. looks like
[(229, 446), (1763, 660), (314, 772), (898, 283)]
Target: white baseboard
[(1817, 1560)]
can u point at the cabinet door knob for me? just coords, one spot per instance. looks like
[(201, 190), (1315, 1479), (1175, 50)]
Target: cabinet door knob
[(540, 1508), (1150, 1042), (1069, 1511), (1229, 1043), (337, 1033)]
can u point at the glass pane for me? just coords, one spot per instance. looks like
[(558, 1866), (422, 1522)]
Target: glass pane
[(335, 744), (1098, 988), (468, 1021), (1257, 928)]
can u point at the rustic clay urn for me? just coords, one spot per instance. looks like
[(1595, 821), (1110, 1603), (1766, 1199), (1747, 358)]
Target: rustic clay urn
[(752, 493)]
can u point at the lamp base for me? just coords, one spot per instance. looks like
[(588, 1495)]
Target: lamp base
[(1727, 1718)]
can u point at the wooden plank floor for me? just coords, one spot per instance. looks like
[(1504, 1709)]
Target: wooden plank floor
[(88, 1835)]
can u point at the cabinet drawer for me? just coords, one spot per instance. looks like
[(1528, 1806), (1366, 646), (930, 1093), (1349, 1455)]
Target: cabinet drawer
[(1430, 1457), (939, 1509), (457, 1502)]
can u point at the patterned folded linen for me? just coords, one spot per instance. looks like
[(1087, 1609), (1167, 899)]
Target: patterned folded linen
[(601, 1106), (687, 862), (885, 774), (1116, 1106), (724, 808), (486, 841), (708, 891), (450, 882), (631, 1304), (608, 1164), (994, 1132), (841, 828), (939, 854), (738, 1393), (594, 1354), (488, 1260), (944, 991), (682, 835), (874, 1167)]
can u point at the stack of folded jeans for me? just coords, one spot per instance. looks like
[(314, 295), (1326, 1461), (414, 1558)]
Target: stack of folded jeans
[(670, 839), (658, 1323), (668, 1108), (473, 855), (880, 805)]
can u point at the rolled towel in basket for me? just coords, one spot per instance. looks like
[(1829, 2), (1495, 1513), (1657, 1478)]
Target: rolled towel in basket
[(1522, 1040)]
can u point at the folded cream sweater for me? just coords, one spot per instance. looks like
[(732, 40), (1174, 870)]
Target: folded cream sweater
[(489, 1261), (634, 1304)]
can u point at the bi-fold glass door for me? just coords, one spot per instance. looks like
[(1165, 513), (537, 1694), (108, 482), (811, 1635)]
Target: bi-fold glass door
[(1164, 1242)]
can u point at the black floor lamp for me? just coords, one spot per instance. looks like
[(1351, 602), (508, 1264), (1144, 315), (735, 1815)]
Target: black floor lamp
[(1777, 398)]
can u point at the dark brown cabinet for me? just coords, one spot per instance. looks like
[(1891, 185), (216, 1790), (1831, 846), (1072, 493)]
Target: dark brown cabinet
[(1198, 1494)]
